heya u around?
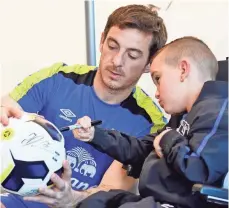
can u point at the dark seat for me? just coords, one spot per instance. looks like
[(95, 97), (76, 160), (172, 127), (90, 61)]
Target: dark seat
[(213, 195), (223, 70), (217, 196)]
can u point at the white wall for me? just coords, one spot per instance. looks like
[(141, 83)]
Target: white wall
[(38, 33), (205, 19)]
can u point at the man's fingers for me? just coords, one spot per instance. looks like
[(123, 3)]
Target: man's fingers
[(47, 192), (4, 117), (67, 171), (15, 112), (2, 205), (7, 112), (41, 199), (58, 182)]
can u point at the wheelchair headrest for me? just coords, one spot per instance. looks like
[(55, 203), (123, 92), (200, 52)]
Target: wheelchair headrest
[(223, 71), (225, 182)]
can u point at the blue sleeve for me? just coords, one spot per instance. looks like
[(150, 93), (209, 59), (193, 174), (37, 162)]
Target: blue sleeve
[(37, 96), (33, 93), (144, 132), (14, 201), (153, 128), (202, 155)]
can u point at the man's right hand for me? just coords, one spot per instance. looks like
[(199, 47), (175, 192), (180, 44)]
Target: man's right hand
[(7, 112)]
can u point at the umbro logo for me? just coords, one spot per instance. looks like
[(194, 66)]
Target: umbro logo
[(67, 114)]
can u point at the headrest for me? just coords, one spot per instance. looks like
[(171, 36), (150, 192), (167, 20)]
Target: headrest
[(223, 71)]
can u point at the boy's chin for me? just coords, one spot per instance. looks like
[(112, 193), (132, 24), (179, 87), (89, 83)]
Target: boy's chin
[(167, 110), (172, 111)]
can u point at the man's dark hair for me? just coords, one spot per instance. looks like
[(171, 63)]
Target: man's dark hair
[(142, 18)]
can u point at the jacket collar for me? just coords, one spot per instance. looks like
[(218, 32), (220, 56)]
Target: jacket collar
[(213, 89)]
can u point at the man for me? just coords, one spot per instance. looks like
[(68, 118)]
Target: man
[(184, 72), (62, 94)]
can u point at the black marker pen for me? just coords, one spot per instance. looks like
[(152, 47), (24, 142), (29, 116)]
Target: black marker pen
[(77, 126)]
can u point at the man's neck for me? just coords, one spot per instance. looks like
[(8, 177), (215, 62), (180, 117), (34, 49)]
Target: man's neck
[(108, 95)]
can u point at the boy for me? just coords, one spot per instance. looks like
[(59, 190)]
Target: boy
[(184, 72)]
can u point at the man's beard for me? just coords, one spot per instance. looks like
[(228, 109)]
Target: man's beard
[(108, 82), (114, 87)]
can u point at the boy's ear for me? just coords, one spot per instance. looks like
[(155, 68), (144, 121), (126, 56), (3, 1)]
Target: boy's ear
[(184, 67)]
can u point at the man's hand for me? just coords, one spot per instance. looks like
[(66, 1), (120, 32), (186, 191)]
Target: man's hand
[(2, 205), (7, 112), (62, 195), (86, 133), (156, 142)]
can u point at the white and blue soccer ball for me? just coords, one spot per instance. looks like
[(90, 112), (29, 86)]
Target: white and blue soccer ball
[(32, 149)]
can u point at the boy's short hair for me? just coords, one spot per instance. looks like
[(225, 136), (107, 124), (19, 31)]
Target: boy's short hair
[(196, 50)]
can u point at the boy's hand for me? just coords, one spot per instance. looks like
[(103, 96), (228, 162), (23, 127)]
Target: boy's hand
[(86, 133), (156, 142)]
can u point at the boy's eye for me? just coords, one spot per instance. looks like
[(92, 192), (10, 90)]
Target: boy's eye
[(156, 80)]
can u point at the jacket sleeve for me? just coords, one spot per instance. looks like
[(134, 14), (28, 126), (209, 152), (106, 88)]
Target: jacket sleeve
[(124, 148), (148, 202), (119, 198), (202, 156)]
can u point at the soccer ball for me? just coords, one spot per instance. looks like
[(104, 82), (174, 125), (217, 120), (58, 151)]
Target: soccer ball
[(32, 149)]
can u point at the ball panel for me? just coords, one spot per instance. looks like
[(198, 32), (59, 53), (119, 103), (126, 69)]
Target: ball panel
[(6, 172), (22, 169), (52, 131)]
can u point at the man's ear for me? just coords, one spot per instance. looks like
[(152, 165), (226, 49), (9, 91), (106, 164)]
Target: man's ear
[(184, 67), (101, 42), (147, 68)]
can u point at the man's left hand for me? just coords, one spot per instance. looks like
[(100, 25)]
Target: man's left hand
[(156, 142), (61, 195)]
